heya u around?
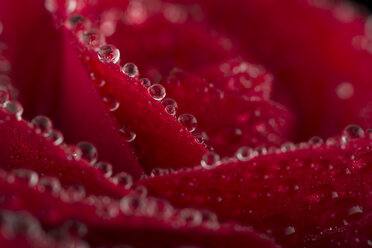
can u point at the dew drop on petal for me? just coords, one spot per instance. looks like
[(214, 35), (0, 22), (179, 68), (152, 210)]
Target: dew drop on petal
[(111, 103), (73, 152), (56, 136), (191, 216), (43, 123), (157, 91), (132, 204), (75, 228), (93, 39), (88, 152), (14, 107), (50, 184), (145, 82), (109, 54), (4, 97), (74, 192), (244, 153), (315, 141), (123, 179), (130, 70), (105, 168), (128, 133), (188, 121), (29, 176), (210, 160), (352, 132), (170, 106)]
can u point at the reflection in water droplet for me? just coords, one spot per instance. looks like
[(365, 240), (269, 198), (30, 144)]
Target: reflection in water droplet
[(43, 123), (123, 179), (88, 152), (111, 103), (244, 153), (132, 204), (128, 133), (56, 136), (109, 54), (352, 132), (93, 39), (170, 106), (210, 160), (29, 176), (157, 91), (145, 82), (105, 168), (14, 107), (188, 121), (315, 141), (130, 70)]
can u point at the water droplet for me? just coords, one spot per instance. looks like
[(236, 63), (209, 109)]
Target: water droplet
[(128, 133), (109, 54), (132, 204), (50, 184), (53, 5), (130, 70), (20, 223), (170, 106), (75, 228), (244, 153), (93, 39), (111, 103), (15, 108), (75, 22), (354, 213), (315, 141), (209, 219), (141, 190), (157, 91), (210, 160), (191, 216), (29, 176), (56, 136), (4, 97), (352, 132), (88, 152), (123, 179), (160, 208), (74, 193), (188, 121), (289, 231), (105, 168), (287, 147), (145, 82), (42, 123)]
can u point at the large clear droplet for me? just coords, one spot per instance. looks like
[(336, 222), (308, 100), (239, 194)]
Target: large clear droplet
[(352, 132), (105, 168), (42, 123), (157, 91), (109, 54), (15, 108), (88, 152), (170, 106), (130, 70), (111, 103), (188, 121), (123, 179), (128, 133), (210, 160), (315, 141)]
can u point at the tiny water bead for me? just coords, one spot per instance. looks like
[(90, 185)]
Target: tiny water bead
[(145, 82), (15, 107), (315, 141), (130, 70), (109, 54), (4, 97), (111, 103), (170, 106), (188, 121), (93, 39), (88, 152), (210, 160), (42, 123), (29, 176), (352, 132), (104, 167), (56, 136), (123, 179), (244, 153), (157, 91), (128, 133)]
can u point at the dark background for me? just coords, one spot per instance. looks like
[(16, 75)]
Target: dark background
[(367, 3)]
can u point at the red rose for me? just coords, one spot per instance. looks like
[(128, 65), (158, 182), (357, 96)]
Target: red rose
[(196, 123)]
